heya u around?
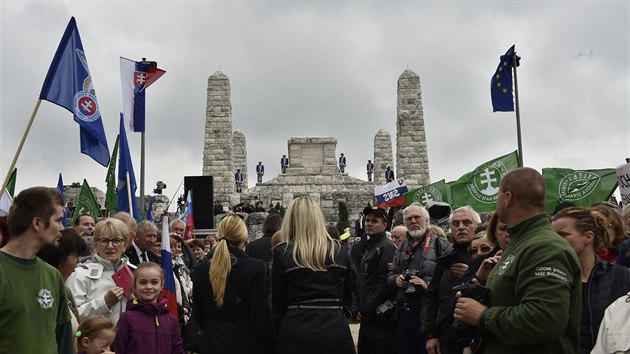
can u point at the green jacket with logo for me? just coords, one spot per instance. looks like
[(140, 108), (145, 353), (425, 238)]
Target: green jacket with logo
[(535, 294)]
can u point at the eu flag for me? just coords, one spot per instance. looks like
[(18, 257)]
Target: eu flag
[(69, 85), (501, 84), (125, 166)]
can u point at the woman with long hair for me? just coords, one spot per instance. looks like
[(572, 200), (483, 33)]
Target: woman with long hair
[(230, 296), (603, 282), (311, 284)]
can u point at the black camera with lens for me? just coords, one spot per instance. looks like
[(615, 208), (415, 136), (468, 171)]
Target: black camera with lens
[(411, 290), (464, 332), (385, 310)]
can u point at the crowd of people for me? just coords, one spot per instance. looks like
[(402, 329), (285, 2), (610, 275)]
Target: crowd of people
[(514, 281)]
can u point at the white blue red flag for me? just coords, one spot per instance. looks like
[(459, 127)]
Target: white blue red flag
[(126, 167), (188, 217), (391, 194), (69, 85), (167, 265), (135, 78)]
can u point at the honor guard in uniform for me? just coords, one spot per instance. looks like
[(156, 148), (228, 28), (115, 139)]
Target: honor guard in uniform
[(284, 163), (238, 180), (260, 171), (342, 163), (370, 170), (389, 174)]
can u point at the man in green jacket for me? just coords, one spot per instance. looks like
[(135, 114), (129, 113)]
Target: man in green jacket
[(535, 286)]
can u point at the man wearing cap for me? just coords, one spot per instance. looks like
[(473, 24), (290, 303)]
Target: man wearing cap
[(376, 334), (260, 171), (389, 174), (414, 263), (284, 163), (370, 170), (342, 163)]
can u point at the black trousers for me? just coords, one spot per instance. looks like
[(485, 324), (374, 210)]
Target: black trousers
[(376, 337)]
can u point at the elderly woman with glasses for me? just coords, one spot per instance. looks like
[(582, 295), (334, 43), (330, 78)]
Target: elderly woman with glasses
[(92, 283)]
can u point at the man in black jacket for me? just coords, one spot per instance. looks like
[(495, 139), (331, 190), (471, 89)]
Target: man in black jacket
[(376, 334), (441, 337)]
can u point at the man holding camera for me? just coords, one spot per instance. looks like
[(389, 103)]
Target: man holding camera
[(376, 334), (442, 337), (413, 267), (535, 288)]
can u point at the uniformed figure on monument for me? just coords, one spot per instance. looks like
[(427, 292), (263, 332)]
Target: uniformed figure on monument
[(342, 163), (389, 174), (260, 171), (238, 180), (284, 163), (370, 170)]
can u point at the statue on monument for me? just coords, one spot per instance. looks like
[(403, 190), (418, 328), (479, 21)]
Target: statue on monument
[(370, 170), (284, 163), (342, 163)]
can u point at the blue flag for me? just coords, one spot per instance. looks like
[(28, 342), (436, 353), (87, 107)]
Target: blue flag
[(125, 166), (60, 190), (150, 211), (69, 85), (501, 84)]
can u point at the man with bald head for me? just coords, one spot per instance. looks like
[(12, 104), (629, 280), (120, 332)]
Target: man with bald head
[(130, 222), (535, 288), (399, 233), (412, 270)]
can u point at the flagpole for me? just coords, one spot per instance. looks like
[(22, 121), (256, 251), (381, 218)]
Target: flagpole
[(517, 111), (19, 149), (142, 169), (129, 193)]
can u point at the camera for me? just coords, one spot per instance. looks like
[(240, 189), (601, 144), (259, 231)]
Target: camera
[(466, 333), (385, 310), (411, 290)]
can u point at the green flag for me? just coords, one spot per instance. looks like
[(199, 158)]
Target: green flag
[(86, 203), (11, 184), (582, 187), (480, 187), (437, 192), (111, 196)]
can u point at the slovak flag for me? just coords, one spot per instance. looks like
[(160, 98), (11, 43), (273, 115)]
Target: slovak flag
[(167, 265), (135, 78), (391, 194), (188, 217)]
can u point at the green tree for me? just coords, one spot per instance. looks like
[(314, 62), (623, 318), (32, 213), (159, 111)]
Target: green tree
[(343, 217)]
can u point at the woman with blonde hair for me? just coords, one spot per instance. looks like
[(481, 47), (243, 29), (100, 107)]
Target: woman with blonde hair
[(230, 296), (311, 284)]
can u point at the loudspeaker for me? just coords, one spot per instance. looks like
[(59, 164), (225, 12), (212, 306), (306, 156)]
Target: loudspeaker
[(202, 200)]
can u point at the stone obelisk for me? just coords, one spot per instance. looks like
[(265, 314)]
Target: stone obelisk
[(412, 162), (382, 155), (240, 154)]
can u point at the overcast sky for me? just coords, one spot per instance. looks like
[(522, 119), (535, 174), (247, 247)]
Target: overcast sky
[(310, 68)]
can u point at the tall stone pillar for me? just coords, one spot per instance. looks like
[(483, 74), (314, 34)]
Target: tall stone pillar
[(240, 154), (218, 149), (412, 161), (382, 155)]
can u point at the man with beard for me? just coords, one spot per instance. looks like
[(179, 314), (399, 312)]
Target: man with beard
[(536, 286), (441, 336), (414, 264), (34, 315), (376, 334)]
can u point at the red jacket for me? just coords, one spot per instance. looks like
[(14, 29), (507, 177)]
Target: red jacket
[(147, 329)]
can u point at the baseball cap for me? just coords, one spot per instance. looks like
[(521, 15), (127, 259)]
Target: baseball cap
[(378, 212)]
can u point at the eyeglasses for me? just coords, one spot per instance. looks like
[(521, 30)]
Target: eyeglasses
[(484, 248), (116, 242)]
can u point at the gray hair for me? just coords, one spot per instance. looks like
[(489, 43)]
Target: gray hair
[(423, 211), (467, 208), (146, 224)]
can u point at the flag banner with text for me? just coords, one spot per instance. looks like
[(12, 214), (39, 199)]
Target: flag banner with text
[(582, 187), (623, 175), (135, 78), (480, 188), (439, 191), (69, 85), (501, 84), (86, 204), (391, 194)]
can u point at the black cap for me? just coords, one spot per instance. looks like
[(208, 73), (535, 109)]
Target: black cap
[(378, 212)]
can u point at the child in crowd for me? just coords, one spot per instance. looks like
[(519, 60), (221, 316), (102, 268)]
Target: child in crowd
[(94, 336), (147, 326)]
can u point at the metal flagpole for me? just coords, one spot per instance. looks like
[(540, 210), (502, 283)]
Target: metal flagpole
[(518, 113), (129, 194), (142, 170)]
